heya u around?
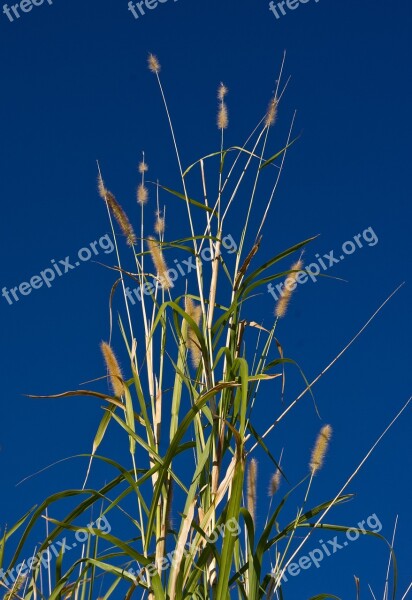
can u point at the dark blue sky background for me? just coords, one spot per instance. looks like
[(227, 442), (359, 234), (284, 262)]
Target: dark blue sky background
[(75, 88)]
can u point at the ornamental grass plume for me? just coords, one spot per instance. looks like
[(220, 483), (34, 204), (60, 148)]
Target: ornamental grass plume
[(142, 191), (251, 488), (16, 589), (160, 225), (289, 286), (272, 112), (274, 483), (320, 449), (142, 194), (118, 212), (113, 368), (153, 63), (222, 116), (195, 313), (143, 167), (159, 263)]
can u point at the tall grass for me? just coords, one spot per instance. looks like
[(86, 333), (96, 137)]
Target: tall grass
[(186, 398)]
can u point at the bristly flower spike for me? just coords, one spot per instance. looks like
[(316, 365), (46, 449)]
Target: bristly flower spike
[(222, 116), (153, 63), (113, 368), (320, 449)]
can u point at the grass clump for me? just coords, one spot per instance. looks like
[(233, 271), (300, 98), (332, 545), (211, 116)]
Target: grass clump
[(195, 372)]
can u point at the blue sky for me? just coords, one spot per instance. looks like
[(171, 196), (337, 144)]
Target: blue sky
[(76, 89)]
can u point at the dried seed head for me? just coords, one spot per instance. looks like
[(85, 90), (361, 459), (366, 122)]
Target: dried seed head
[(289, 285), (16, 588), (274, 483), (160, 225), (251, 488), (121, 218), (118, 212), (272, 112), (222, 92), (159, 263), (153, 63), (320, 449), (142, 194), (143, 167), (113, 368), (101, 187), (222, 117), (195, 313)]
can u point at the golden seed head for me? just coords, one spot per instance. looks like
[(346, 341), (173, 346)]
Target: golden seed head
[(160, 225), (118, 214), (289, 285), (101, 187), (159, 263), (113, 368), (153, 63), (193, 310), (222, 117), (320, 449), (143, 167), (222, 92), (142, 194), (274, 484), (272, 112), (195, 313), (16, 588), (251, 488)]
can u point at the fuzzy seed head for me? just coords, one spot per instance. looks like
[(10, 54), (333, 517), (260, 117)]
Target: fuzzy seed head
[(271, 113), (251, 488), (113, 368), (16, 588), (159, 263), (320, 449), (142, 194), (274, 483), (143, 167), (222, 117), (160, 225), (153, 63), (222, 92), (121, 218), (289, 285), (195, 313), (101, 187), (117, 212)]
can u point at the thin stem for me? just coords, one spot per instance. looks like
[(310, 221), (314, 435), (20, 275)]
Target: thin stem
[(349, 480), (325, 370)]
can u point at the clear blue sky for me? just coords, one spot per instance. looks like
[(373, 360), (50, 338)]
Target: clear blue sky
[(75, 88)]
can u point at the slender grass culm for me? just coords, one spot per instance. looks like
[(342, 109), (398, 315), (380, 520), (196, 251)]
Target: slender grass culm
[(184, 505)]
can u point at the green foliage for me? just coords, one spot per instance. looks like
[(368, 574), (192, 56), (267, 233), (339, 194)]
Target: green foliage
[(214, 369)]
